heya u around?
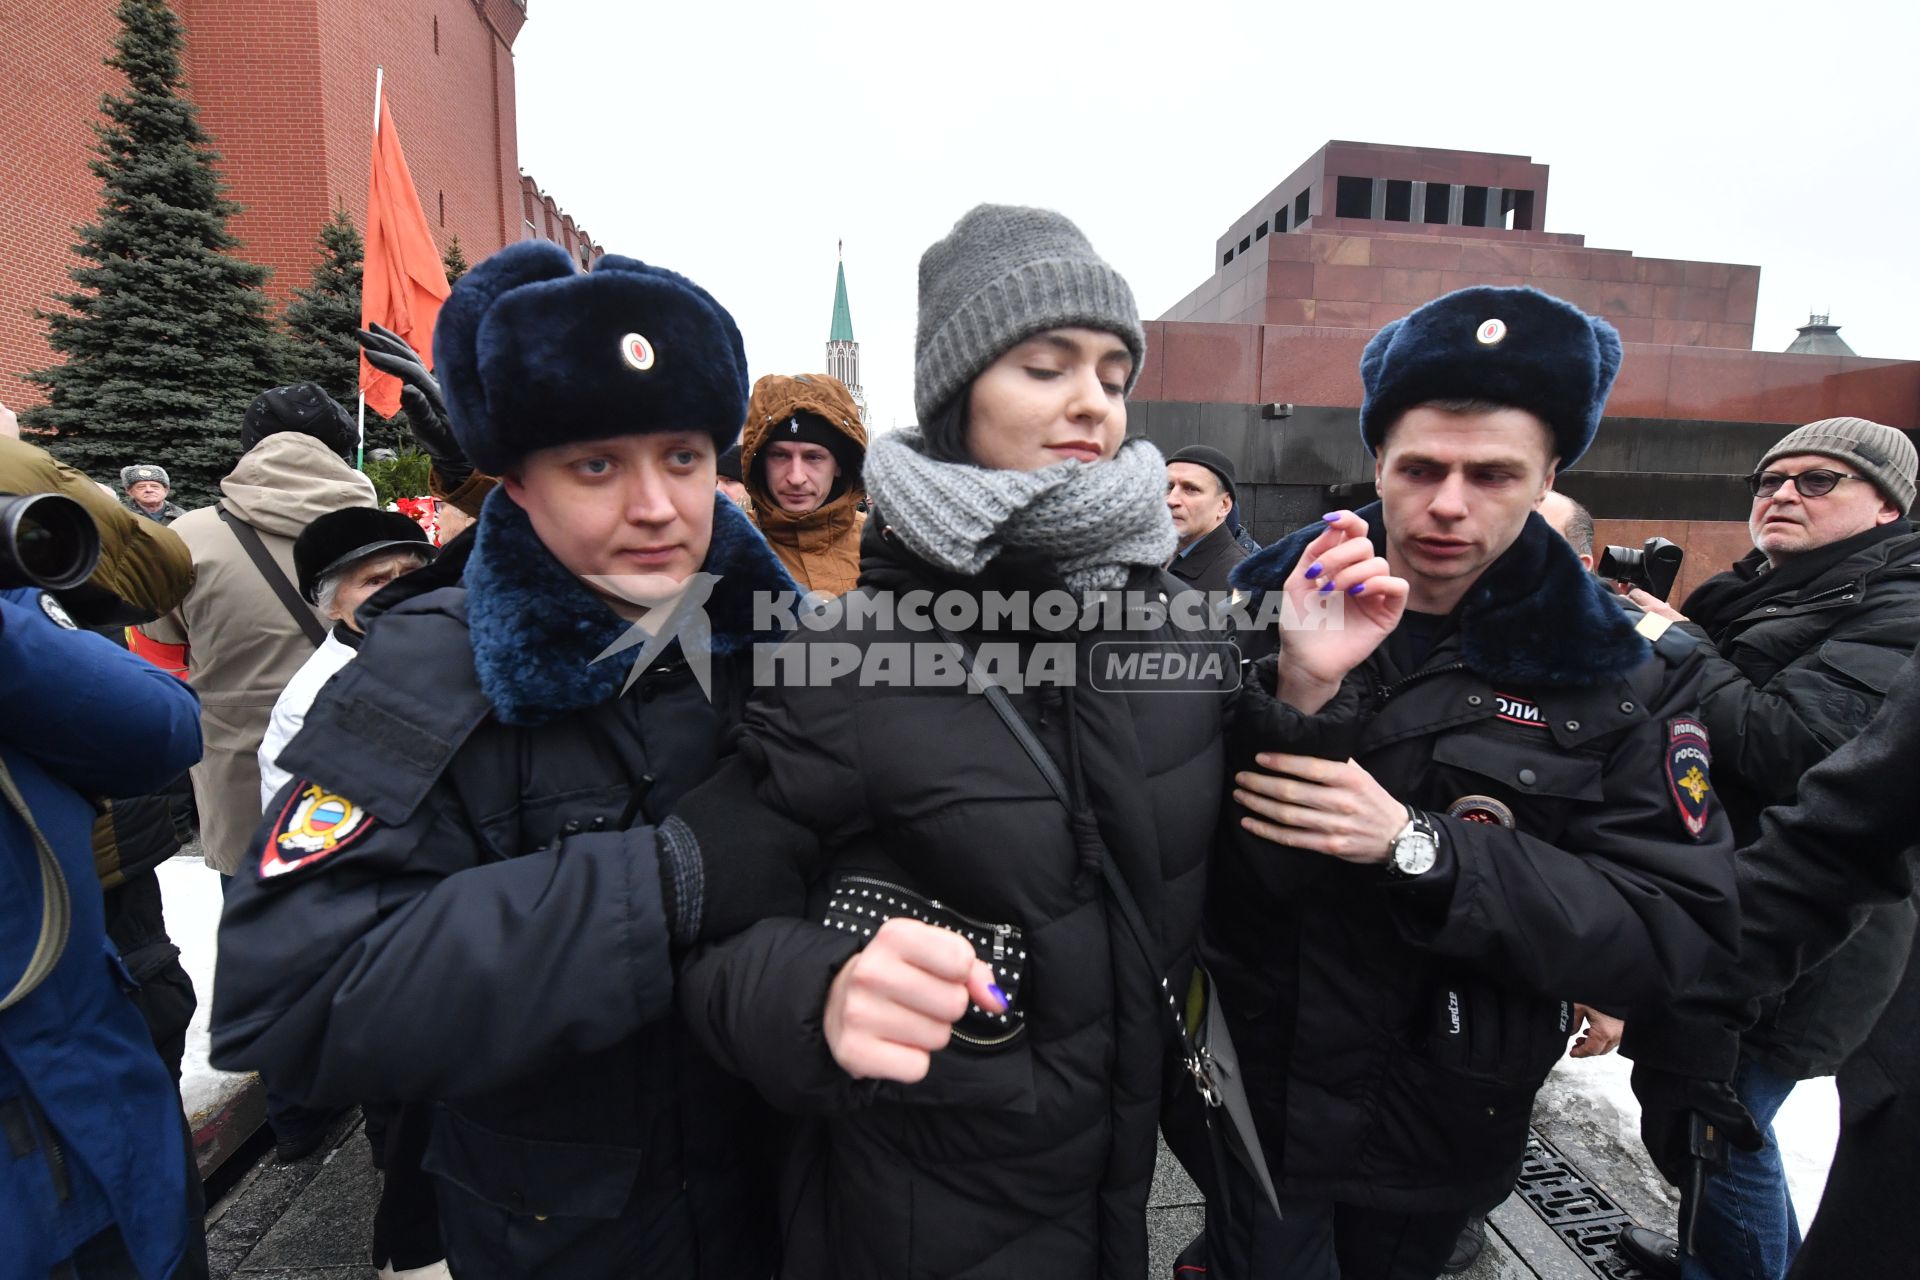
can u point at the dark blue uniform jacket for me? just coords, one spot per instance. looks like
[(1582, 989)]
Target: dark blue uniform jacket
[(459, 899)]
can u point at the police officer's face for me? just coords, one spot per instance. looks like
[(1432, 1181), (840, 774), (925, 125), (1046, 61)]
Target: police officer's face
[(1786, 522), (631, 508), (1457, 487)]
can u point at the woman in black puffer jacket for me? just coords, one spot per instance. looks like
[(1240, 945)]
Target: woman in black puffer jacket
[(981, 1099)]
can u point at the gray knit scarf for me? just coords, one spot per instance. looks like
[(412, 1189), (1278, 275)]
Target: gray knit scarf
[(1092, 521)]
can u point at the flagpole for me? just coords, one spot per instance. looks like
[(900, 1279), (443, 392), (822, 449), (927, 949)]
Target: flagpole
[(360, 449)]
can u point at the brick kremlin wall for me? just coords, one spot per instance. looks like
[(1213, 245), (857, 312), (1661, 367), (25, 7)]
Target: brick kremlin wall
[(285, 89)]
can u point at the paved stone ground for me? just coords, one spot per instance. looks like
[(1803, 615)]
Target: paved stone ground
[(309, 1220)]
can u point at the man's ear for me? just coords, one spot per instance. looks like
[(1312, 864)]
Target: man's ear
[(515, 487), (1887, 514)]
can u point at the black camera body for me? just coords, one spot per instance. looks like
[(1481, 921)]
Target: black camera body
[(47, 540), (1652, 568)]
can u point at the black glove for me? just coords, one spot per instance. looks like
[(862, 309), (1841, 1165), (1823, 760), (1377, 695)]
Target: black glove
[(727, 859), (1668, 1103), (388, 352)]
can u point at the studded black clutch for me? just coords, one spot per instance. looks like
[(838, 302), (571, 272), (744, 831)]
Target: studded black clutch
[(860, 904)]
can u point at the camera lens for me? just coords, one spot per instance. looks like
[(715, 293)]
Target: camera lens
[(46, 540)]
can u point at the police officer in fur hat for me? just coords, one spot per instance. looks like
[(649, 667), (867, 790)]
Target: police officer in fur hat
[(471, 893), (1482, 798)]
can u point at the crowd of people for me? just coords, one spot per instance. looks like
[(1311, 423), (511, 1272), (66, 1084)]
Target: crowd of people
[(637, 953)]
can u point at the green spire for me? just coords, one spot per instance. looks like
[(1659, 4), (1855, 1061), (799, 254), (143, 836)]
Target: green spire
[(842, 314)]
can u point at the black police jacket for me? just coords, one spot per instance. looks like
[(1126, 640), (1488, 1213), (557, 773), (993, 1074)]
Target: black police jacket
[(1393, 1033), (458, 900), (1028, 1157), (1798, 672)]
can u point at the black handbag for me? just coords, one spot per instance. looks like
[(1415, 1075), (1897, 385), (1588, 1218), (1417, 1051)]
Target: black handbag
[(859, 903), (1206, 1047)]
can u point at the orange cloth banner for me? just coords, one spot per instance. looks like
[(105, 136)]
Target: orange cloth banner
[(405, 282)]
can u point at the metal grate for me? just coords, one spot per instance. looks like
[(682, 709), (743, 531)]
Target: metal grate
[(1586, 1218)]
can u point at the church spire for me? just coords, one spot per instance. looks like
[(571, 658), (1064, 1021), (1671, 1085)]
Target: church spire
[(843, 352)]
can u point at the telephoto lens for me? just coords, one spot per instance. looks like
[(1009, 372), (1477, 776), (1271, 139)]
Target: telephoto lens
[(47, 540)]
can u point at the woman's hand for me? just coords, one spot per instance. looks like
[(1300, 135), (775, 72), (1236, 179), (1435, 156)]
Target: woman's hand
[(895, 1003), (1316, 656)]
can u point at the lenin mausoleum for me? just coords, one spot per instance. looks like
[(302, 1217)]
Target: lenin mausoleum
[(1261, 359)]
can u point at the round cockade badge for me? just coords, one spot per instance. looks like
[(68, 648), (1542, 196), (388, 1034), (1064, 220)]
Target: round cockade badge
[(1491, 332), (637, 352)]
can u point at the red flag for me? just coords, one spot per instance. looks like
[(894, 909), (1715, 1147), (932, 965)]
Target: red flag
[(405, 283)]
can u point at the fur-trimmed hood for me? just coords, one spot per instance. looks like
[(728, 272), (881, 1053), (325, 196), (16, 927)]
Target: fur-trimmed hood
[(1536, 616), (538, 630)]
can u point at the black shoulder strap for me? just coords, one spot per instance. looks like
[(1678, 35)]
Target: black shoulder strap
[(1043, 761), (276, 576)]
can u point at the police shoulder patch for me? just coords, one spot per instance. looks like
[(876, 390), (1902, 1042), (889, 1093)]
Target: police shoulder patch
[(1689, 772), (313, 825)]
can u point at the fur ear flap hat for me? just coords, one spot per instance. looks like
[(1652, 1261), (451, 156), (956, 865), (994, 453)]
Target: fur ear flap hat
[(1515, 347), (533, 353)]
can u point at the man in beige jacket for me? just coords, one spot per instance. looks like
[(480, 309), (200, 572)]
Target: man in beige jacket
[(243, 641)]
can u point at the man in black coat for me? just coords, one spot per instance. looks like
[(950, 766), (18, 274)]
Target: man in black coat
[(1807, 634), (1492, 805), (472, 894), (1201, 497), (1846, 843)]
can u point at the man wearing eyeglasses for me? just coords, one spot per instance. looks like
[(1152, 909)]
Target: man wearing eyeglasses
[(1809, 629)]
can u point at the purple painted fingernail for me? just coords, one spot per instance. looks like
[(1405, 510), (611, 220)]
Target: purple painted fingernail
[(1327, 585), (1356, 588), (999, 995), (1313, 571), (1331, 516)]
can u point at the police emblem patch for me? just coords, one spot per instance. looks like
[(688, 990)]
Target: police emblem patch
[(1482, 809), (1689, 773), (314, 824)]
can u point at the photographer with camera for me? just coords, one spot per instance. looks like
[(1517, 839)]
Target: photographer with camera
[(1806, 634), (101, 1178)]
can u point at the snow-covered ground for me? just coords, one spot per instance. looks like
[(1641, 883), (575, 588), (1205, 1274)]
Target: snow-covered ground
[(191, 890), (1807, 1127)]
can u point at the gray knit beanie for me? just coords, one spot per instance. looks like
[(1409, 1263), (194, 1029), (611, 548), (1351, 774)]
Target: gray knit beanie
[(1003, 274), (1881, 454)]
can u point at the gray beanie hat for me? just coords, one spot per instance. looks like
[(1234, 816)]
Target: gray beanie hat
[(1003, 274), (1881, 454)]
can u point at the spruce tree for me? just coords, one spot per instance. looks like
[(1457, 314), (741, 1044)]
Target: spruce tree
[(168, 337), (454, 261), (323, 315)]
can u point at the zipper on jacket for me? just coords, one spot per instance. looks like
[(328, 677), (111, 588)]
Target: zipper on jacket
[(50, 1147), (1381, 696)]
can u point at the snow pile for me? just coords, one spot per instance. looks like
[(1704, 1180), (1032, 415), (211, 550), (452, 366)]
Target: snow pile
[(1807, 1127), (191, 890)]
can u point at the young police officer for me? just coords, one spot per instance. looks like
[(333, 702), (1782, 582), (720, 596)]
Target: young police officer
[(470, 892), (1490, 805)]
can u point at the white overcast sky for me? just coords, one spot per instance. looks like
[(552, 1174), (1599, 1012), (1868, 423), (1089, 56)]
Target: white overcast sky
[(737, 142)]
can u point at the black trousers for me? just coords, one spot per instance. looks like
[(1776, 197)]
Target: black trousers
[(1317, 1239)]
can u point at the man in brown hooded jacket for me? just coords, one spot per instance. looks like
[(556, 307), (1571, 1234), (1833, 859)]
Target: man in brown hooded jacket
[(801, 454)]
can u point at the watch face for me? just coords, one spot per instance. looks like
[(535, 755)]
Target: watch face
[(1415, 853)]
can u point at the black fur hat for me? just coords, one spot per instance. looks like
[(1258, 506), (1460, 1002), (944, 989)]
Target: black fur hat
[(532, 353), (301, 407), (1516, 347), (340, 538)]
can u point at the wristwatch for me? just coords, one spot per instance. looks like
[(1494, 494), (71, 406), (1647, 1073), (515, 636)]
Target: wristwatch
[(1414, 851)]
